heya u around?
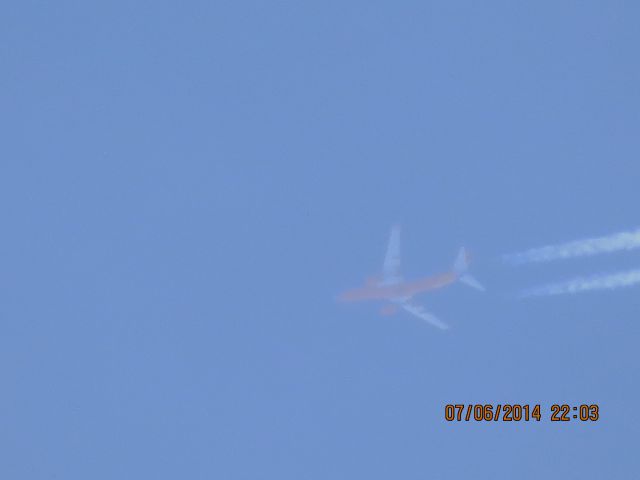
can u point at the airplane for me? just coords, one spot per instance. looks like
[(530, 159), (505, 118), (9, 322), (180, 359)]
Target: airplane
[(392, 287)]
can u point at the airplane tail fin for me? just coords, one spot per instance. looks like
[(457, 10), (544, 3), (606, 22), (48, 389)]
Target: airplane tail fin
[(461, 269)]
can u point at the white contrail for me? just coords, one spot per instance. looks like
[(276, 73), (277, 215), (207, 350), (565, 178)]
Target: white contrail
[(583, 284), (579, 248)]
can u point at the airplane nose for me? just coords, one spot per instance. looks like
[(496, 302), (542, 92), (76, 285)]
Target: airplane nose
[(344, 297)]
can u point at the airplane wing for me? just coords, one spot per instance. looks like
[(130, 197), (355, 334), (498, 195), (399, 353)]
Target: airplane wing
[(391, 267), (422, 314)]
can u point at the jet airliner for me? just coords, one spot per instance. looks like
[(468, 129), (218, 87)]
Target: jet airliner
[(398, 293)]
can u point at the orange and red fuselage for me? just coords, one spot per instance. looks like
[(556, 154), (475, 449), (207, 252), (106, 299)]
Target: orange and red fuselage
[(399, 290)]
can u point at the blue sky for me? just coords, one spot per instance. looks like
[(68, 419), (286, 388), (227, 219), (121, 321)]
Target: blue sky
[(187, 186)]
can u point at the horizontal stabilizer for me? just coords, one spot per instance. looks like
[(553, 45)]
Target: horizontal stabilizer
[(461, 269), (472, 282)]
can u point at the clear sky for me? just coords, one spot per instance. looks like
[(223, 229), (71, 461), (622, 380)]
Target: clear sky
[(186, 187)]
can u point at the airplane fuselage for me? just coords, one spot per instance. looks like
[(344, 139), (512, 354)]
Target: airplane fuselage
[(398, 290)]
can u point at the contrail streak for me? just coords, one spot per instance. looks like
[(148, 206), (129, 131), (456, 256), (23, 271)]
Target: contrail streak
[(579, 248), (584, 284)]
